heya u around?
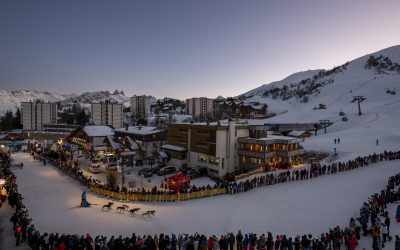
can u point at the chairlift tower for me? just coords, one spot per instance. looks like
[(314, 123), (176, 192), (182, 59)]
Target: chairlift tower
[(322, 124), (358, 99)]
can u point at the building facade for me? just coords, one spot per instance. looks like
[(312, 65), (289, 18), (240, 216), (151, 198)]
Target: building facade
[(271, 152), (222, 149), (199, 145), (140, 106), (148, 139), (35, 114), (200, 108), (107, 114)]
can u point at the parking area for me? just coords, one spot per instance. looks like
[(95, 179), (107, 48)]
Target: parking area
[(137, 177)]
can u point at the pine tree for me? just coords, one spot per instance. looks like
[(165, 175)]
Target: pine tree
[(112, 180), (7, 121), (17, 119)]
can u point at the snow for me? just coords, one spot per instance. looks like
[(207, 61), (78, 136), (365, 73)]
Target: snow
[(296, 133), (98, 131), (139, 130), (181, 118)]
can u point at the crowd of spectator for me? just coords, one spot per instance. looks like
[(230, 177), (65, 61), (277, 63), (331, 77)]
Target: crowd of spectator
[(374, 221)]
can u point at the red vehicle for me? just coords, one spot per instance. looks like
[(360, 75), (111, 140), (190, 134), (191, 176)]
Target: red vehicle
[(177, 181)]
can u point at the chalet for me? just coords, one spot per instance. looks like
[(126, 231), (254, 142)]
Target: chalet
[(91, 137), (300, 134)]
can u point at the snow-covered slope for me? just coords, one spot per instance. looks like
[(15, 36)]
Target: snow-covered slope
[(370, 76), (87, 98)]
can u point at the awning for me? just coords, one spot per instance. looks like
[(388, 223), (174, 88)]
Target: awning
[(163, 154), (129, 153), (100, 148), (173, 148), (133, 144)]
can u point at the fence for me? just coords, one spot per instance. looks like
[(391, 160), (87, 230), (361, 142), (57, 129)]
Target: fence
[(158, 197)]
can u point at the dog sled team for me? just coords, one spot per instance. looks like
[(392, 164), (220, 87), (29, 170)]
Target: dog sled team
[(132, 211)]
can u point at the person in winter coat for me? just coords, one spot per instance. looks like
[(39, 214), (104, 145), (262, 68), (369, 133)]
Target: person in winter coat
[(88, 242), (352, 241), (246, 242), (210, 243), (385, 232), (17, 235), (61, 245), (397, 243), (215, 245), (239, 241), (231, 241)]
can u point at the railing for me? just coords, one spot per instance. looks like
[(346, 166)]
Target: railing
[(157, 197)]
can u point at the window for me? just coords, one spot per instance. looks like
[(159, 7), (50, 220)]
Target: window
[(202, 158), (213, 160), (202, 144), (236, 133)]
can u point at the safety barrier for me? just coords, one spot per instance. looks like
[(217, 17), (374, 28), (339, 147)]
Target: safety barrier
[(157, 197)]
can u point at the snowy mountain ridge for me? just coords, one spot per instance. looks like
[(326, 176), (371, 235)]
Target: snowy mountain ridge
[(11, 100), (301, 86)]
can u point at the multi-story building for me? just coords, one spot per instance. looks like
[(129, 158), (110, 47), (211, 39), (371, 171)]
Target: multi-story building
[(147, 139), (107, 114), (140, 106), (200, 108), (200, 145), (272, 152), (224, 148), (37, 113)]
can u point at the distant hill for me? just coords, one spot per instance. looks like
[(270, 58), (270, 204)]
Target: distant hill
[(371, 75)]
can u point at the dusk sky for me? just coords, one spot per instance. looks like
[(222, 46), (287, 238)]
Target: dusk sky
[(183, 48)]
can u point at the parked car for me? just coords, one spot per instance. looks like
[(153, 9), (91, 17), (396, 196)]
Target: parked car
[(146, 172), (94, 168), (139, 163), (97, 158), (166, 170), (194, 173), (156, 168)]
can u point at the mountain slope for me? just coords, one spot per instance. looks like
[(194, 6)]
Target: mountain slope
[(370, 75)]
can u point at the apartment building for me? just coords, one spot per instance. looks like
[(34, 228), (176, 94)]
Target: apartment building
[(37, 113), (200, 108), (107, 114), (140, 106)]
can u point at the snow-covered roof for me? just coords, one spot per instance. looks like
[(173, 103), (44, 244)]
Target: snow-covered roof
[(181, 118), (97, 131), (115, 145), (139, 130), (260, 106), (297, 132), (173, 148), (133, 144)]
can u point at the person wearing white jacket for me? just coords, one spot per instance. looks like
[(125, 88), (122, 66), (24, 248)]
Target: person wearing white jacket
[(385, 233)]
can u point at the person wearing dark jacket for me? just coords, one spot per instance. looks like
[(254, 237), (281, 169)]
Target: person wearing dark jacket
[(239, 241)]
